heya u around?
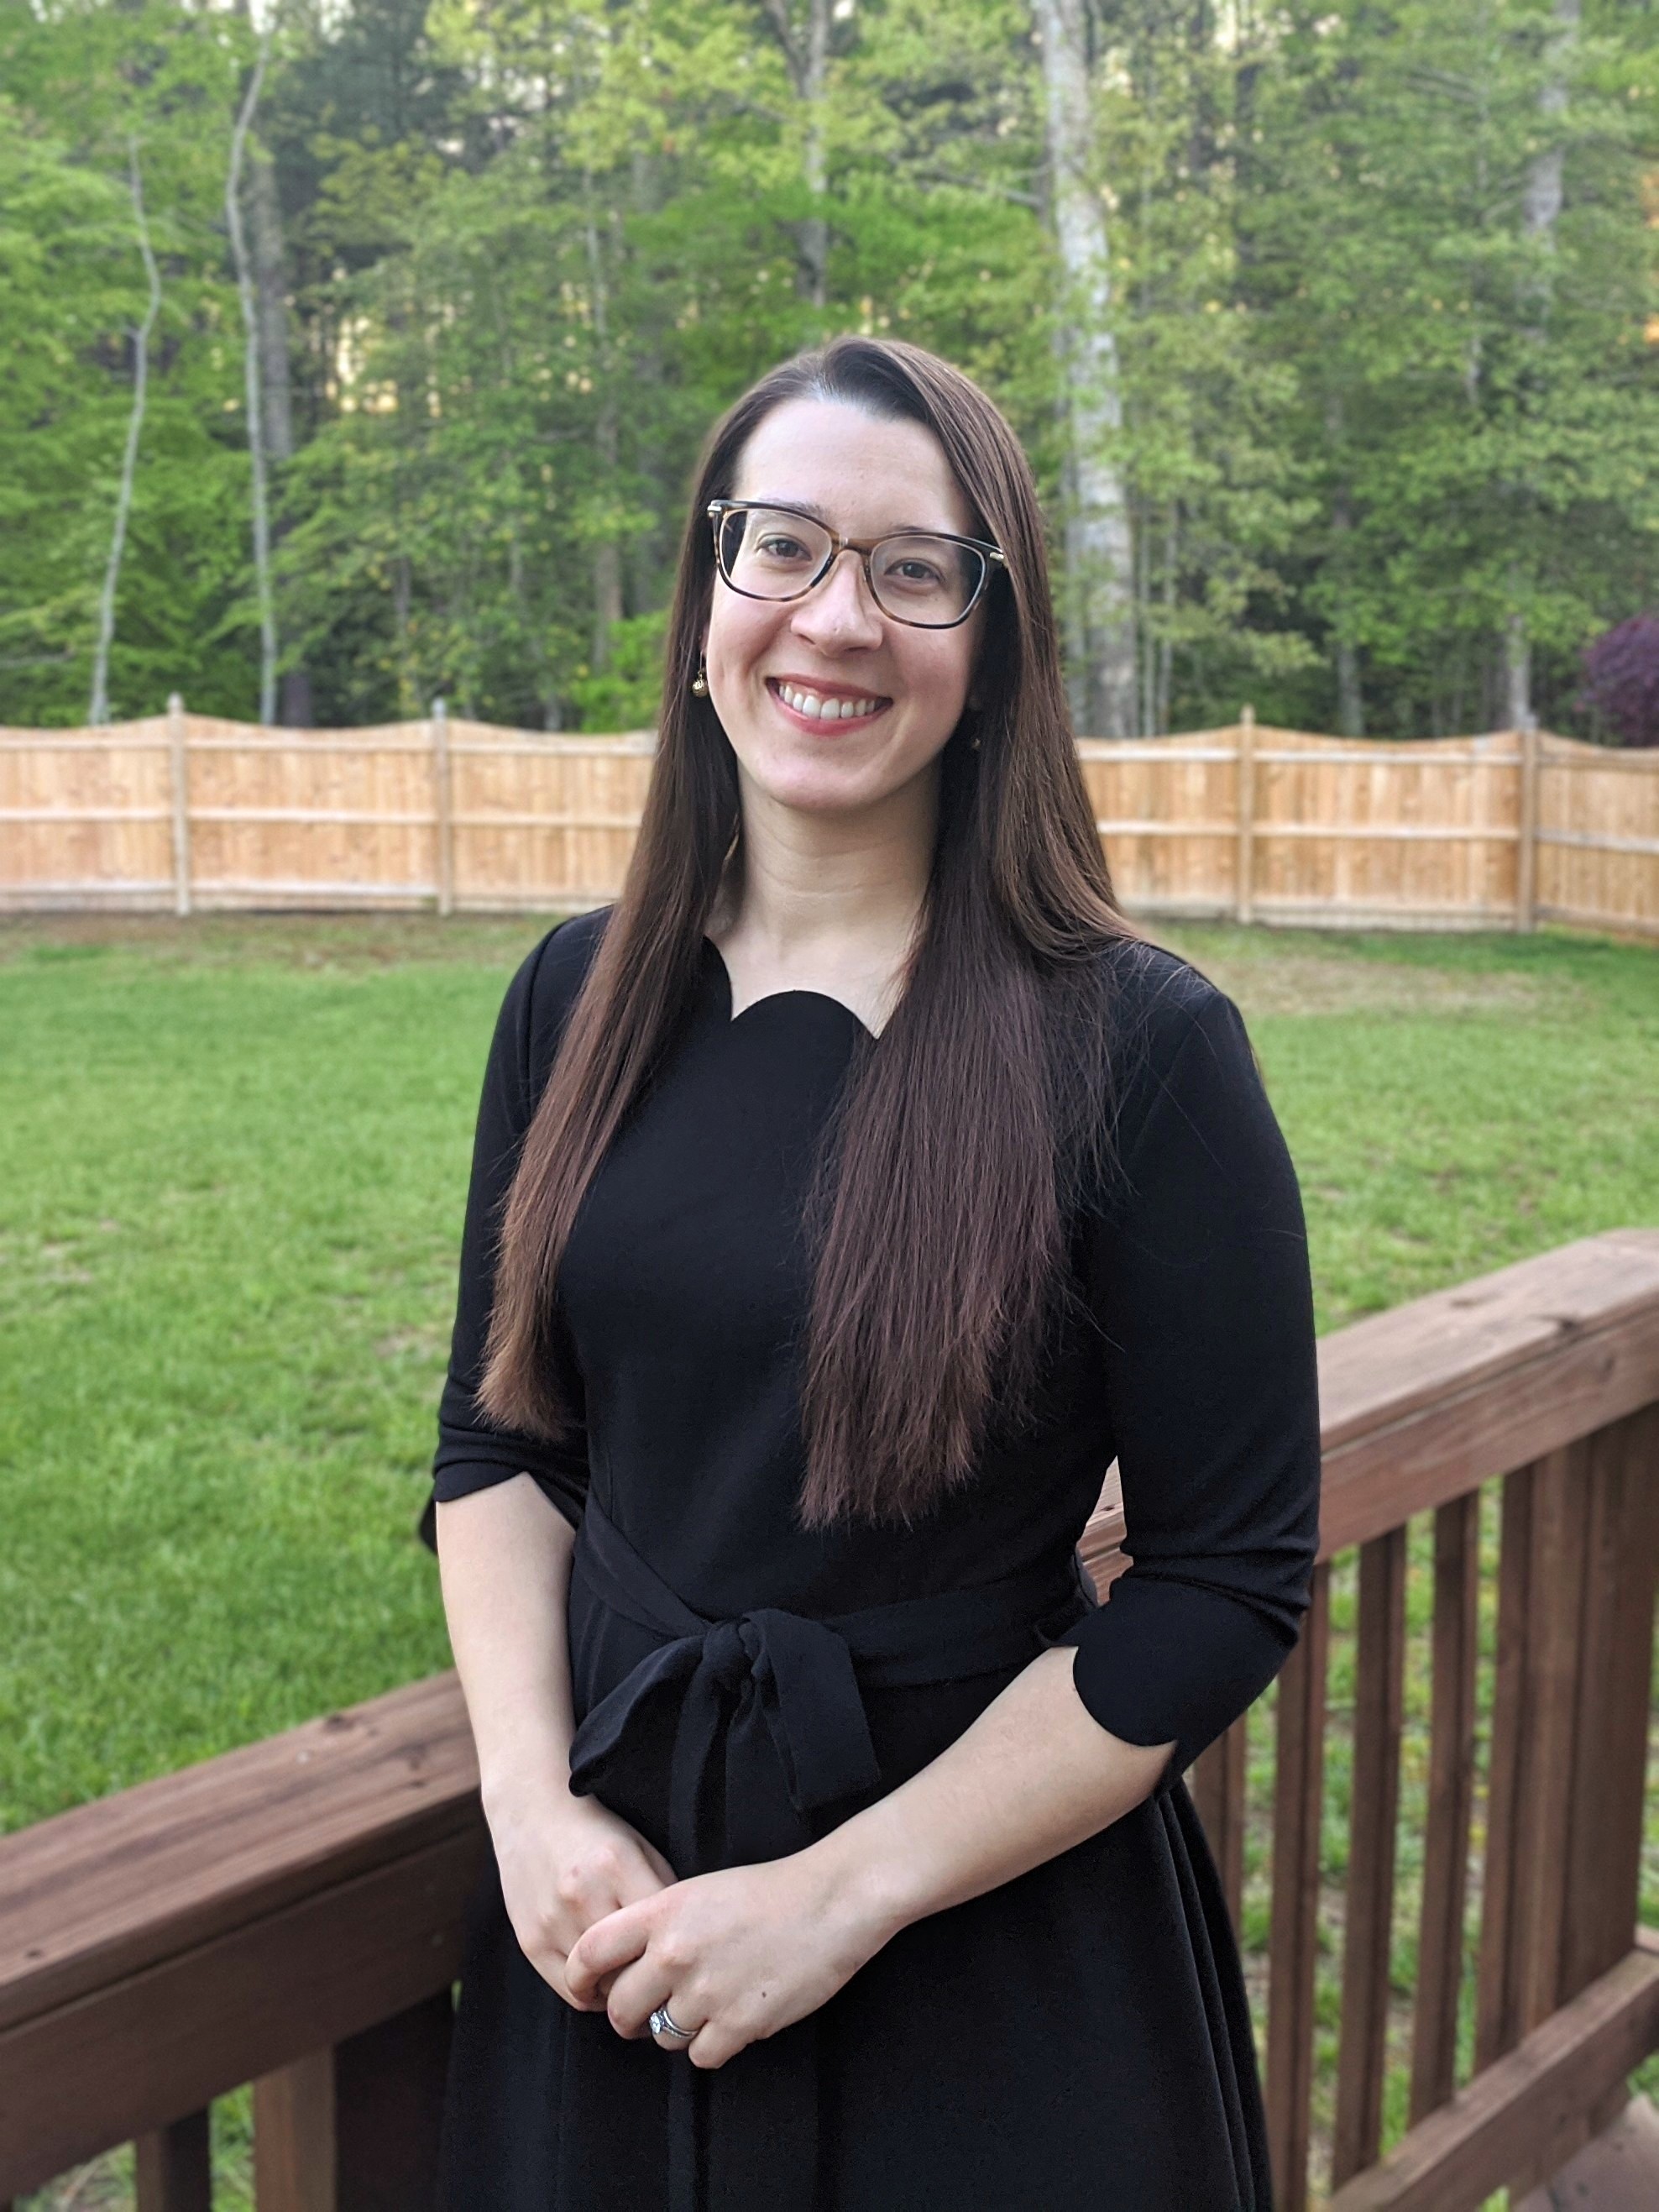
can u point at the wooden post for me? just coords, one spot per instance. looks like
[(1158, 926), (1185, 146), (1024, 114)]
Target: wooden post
[(356, 2129), (180, 772), (1451, 1801), (175, 2167), (1526, 850), (1378, 1716), (443, 807), (1246, 885), (1299, 1804), (1217, 1783)]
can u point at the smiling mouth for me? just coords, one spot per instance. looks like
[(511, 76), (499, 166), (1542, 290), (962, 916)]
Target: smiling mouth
[(824, 710)]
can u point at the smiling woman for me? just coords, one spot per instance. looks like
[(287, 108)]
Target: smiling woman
[(845, 1200)]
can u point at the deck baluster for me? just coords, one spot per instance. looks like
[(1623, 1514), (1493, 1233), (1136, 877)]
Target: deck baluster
[(174, 2167), (1451, 1803), (1299, 1800), (354, 2128), (1218, 1784), (1373, 1807)]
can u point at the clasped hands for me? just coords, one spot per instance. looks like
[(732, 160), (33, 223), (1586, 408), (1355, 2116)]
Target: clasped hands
[(737, 1955)]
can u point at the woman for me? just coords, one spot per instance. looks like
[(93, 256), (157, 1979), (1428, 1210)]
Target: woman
[(845, 1198)]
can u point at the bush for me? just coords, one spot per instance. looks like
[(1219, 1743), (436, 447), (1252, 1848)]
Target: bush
[(1621, 680), (629, 696)]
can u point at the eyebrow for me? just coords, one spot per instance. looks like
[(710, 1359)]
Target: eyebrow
[(899, 529)]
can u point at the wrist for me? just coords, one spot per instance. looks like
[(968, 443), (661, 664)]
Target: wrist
[(513, 1793), (867, 1879)]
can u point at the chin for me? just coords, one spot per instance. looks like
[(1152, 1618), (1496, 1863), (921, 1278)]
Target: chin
[(818, 790)]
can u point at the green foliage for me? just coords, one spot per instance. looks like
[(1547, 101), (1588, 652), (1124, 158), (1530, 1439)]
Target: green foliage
[(629, 693), (1378, 422)]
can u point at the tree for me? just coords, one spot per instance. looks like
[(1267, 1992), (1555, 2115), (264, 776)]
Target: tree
[(253, 375), (1099, 554)]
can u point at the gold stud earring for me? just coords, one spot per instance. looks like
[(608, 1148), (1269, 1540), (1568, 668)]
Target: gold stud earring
[(700, 681)]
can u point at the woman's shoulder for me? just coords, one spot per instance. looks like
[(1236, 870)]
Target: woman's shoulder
[(1158, 999), (558, 965), (1178, 1046), (546, 986)]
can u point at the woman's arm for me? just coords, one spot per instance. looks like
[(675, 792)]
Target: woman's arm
[(1198, 1283), (565, 1862), (504, 1564), (506, 1506), (1035, 1774)]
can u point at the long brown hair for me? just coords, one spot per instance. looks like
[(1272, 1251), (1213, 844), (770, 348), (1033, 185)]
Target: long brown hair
[(937, 1220)]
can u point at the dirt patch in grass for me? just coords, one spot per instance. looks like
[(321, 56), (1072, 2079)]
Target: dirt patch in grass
[(1281, 977)]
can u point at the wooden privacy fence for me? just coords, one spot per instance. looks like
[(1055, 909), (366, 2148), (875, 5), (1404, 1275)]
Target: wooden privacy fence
[(291, 1914), (182, 811)]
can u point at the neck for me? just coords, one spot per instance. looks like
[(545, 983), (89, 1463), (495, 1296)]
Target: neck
[(818, 881)]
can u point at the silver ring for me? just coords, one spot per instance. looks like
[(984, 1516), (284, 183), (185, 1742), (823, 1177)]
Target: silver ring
[(663, 2023)]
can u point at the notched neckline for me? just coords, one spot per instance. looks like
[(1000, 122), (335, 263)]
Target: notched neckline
[(723, 975)]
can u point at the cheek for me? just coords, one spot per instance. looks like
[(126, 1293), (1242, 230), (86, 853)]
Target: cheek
[(937, 681), (739, 630)]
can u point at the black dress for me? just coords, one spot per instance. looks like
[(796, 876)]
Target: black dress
[(1077, 2037)]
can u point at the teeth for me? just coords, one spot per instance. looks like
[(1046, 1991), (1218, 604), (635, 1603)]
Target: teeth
[(826, 710)]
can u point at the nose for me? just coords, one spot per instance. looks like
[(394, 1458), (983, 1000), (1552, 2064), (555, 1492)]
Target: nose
[(838, 612)]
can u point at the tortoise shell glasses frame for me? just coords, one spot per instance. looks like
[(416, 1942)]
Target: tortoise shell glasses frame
[(720, 511)]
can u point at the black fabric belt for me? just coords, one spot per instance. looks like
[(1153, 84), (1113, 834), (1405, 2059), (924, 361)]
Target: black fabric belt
[(772, 1704)]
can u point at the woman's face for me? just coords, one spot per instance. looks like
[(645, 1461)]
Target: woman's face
[(866, 477)]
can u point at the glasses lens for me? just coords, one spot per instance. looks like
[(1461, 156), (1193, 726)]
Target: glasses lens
[(769, 554), (929, 581)]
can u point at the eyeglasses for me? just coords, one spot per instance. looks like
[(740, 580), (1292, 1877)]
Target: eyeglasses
[(931, 579)]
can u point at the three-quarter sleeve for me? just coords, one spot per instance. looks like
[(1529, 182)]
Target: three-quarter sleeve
[(473, 1452), (1198, 1278)]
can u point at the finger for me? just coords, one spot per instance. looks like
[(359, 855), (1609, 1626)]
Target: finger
[(549, 1965), (635, 1993), (659, 1866), (614, 1941), (644, 1878), (710, 2048)]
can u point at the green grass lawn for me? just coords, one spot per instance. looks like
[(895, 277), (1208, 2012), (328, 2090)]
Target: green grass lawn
[(233, 1160)]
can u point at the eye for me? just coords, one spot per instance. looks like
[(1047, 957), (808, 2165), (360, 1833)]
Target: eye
[(775, 546), (913, 570)]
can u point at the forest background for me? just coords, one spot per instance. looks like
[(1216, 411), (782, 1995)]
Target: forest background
[(357, 351)]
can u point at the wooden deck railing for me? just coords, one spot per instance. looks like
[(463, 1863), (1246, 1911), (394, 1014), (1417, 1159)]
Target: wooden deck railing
[(290, 1914)]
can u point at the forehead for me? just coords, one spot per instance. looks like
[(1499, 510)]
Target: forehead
[(866, 474)]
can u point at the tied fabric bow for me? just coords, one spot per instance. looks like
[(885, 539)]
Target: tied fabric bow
[(771, 1704), (781, 1690)]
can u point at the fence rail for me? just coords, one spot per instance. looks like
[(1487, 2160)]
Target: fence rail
[(182, 811), (291, 1913)]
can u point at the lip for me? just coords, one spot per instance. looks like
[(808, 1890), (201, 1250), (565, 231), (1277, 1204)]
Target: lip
[(811, 723)]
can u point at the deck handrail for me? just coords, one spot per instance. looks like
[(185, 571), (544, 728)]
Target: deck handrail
[(291, 1913)]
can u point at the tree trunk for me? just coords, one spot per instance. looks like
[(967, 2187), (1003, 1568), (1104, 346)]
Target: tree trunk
[(253, 384), (98, 712), (806, 56), (1517, 669), (1166, 641), (607, 555), (1099, 556), (644, 554), (1540, 205), (293, 697), (1350, 699), (815, 231)]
